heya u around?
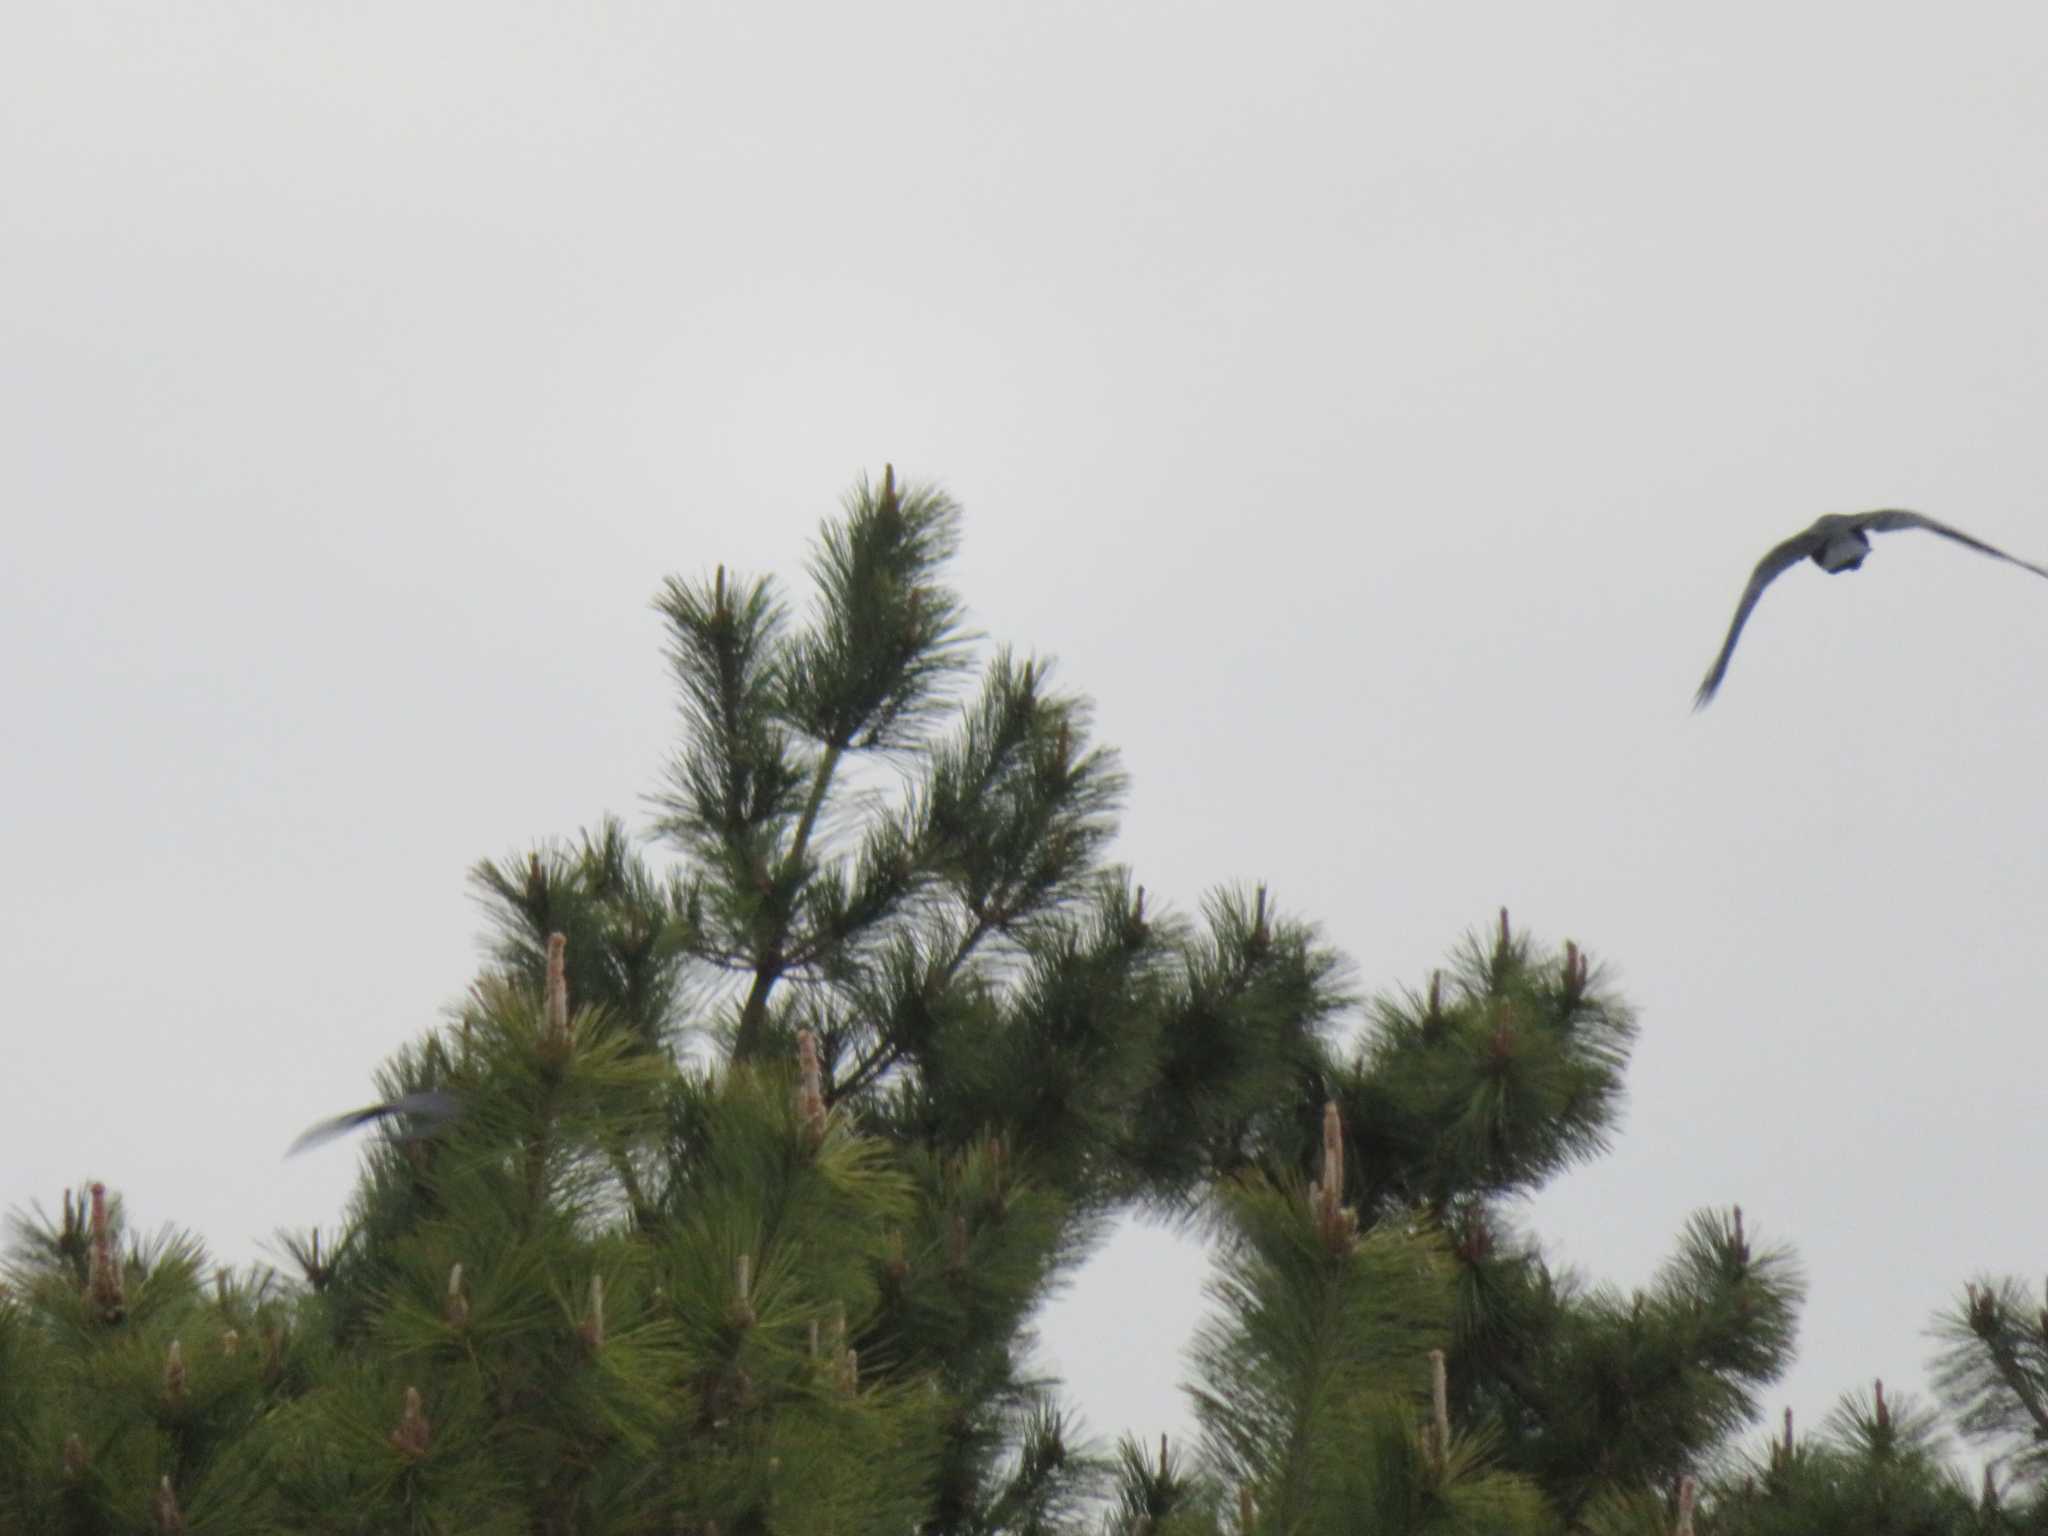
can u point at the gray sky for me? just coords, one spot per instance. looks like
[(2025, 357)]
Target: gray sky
[(1377, 409)]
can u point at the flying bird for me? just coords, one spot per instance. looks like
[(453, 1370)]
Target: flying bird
[(429, 1110), (1837, 542)]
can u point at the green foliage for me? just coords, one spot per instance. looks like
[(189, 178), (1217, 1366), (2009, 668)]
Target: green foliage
[(1052, 1483), (1312, 1370), (785, 1284), (624, 1292), (1634, 1390), (1504, 1073), (1993, 1370), (630, 936), (1877, 1468), (121, 1379), (1163, 1496), (1311, 1336), (1246, 1013)]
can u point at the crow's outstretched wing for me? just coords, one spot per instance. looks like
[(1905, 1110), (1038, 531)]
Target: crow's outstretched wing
[(1891, 520), (1768, 570), (430, 1110)]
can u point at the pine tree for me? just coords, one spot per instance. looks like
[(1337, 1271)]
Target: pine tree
[(116, 1374), (1877, 1468), (772, 1138), (492, 1346), (1385, 1356), (1325, 1342), (628, 1287), (1504, 1072), (917, 889), (1992, 1372)]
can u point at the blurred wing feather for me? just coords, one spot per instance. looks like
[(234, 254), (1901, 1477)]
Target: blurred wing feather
[(431, 1108), (1768, 570), (1892, 519)]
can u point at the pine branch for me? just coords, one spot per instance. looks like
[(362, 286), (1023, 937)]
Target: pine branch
[(1988, 1350), (750, 1040)]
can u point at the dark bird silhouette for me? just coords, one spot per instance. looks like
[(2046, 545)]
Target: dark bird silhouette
[(1837, 542), (428, 1111)]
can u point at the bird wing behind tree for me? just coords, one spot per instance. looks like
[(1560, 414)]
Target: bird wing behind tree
[(430, 1109)]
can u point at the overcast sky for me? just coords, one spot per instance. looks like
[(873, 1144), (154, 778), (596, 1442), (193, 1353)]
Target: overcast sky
[(1376, 408)]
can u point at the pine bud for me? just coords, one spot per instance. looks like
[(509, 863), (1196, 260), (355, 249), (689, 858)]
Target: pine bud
[(1337, 1224), (72, 1236), (1477, 1242), (956, 1248), (592, 1329), (230, 1341), (1688, 1490), (412, 1435), (103, 1285), (810, 1092), (456, 1309), (1574, 972), (1333, 1150), (1247, 1509), (75, 1458), (174, 1374), (168, 1517), (558, 993), (742, 1314), (1440, 1410)]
